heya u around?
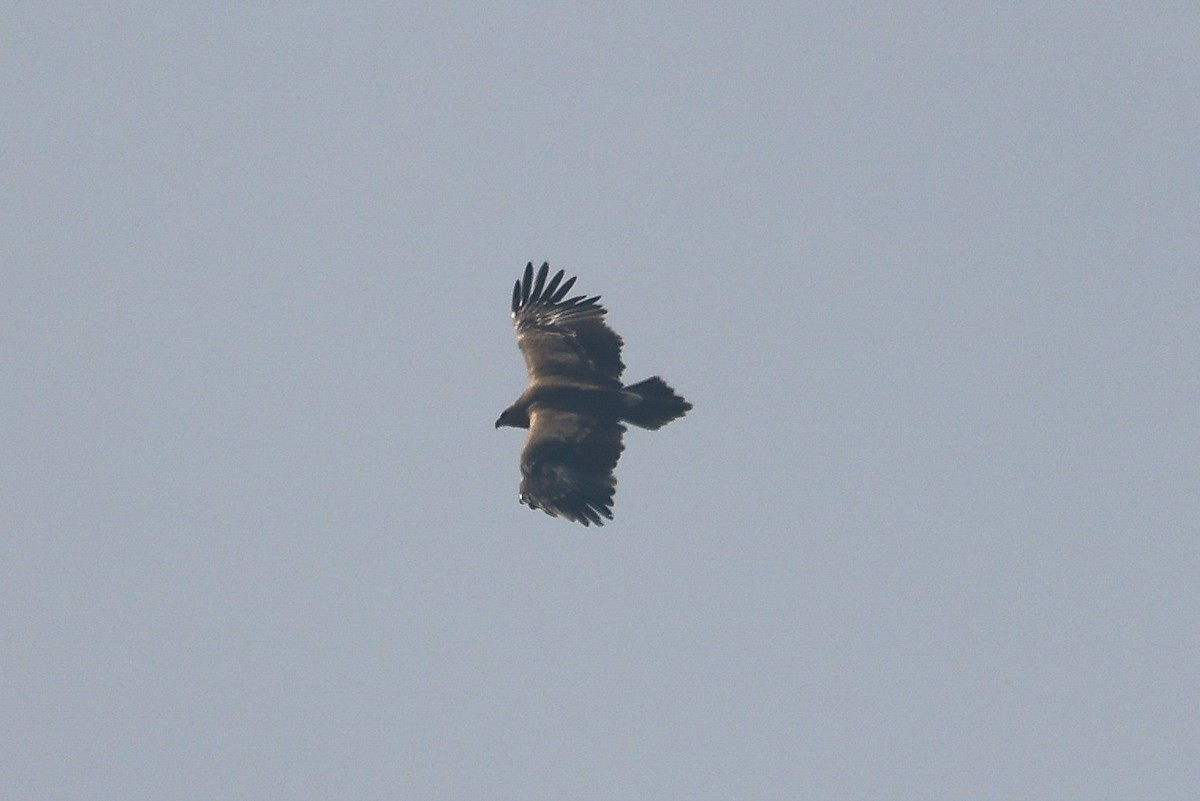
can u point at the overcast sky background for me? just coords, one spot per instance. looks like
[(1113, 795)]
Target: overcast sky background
[(930, 275)]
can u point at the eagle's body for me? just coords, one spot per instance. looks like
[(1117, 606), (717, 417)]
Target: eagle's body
[(575, 404)]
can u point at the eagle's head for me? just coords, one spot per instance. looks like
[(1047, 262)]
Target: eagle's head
[(513, 416)]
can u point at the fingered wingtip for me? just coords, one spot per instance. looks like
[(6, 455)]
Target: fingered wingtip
[(541, 287)]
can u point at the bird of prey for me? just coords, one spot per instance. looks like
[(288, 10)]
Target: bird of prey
[(575, 403)]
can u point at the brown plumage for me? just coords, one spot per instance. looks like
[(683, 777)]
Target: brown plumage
[(575, 403)]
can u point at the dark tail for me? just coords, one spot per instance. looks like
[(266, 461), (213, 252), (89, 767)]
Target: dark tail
[(653, 404)]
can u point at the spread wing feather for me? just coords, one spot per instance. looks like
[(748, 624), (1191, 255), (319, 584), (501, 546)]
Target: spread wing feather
[(564, 337), (567, 465)]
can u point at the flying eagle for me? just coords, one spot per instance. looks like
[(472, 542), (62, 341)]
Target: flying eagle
[(575, 403)]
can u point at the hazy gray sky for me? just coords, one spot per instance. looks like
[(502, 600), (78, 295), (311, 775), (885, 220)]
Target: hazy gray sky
[(929, 275)]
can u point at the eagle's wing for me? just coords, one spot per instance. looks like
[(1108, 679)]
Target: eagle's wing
[(563, 337), (567, 465)]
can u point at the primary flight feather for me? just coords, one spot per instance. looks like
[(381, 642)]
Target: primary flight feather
[(575, 403)]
